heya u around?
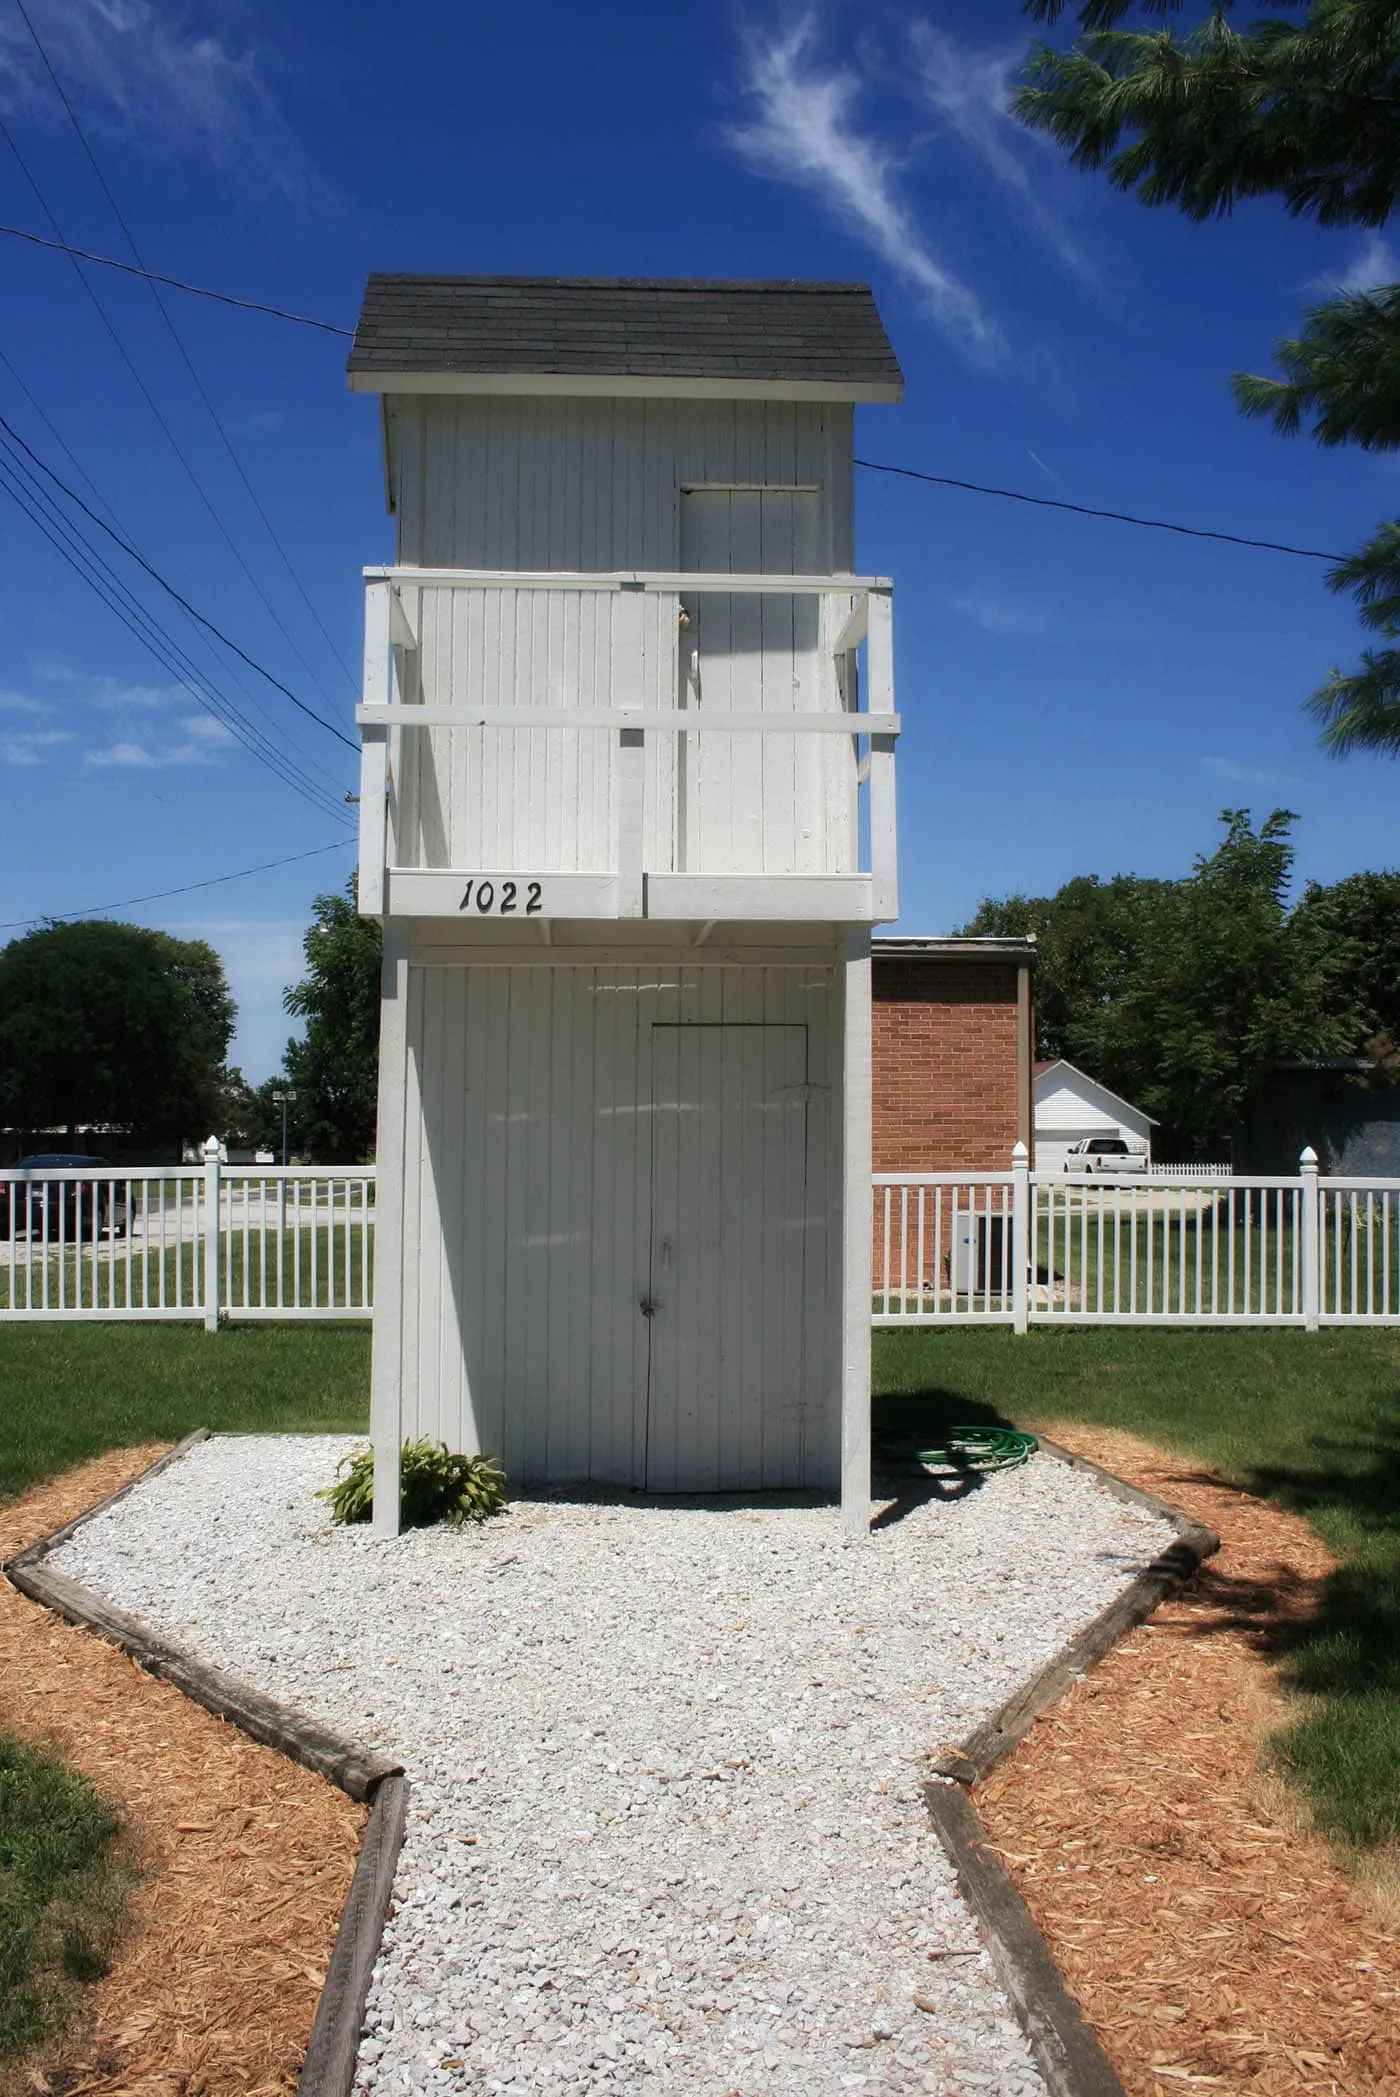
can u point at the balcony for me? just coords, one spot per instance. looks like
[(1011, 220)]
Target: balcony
[(674, 746)]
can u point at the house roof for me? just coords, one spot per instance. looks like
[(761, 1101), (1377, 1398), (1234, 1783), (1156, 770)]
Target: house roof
[(1060, 1063), (616, 334), (952, 947)]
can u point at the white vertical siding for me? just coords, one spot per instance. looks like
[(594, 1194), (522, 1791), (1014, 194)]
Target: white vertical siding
[(534, 1114), (599, 485), (590, 485)]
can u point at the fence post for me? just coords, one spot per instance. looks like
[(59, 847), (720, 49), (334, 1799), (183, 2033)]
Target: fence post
[(212, 1235), (1311, 1198), (1020, 1236)]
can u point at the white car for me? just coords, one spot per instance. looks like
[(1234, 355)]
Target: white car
[(1104, 1154)]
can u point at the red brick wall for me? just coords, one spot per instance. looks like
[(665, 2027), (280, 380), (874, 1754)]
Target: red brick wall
[(944, 1057)]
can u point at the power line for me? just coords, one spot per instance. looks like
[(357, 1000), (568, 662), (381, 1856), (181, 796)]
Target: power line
[(108, 586), (936, 480), (170, 590), (1079, 509), (161, 895), (171, 439), (199, 291), (185, 357)]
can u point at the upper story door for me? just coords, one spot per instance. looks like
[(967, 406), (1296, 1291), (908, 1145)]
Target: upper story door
[(752, 804)]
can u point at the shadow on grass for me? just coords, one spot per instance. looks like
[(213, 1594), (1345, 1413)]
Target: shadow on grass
[(1336, 1639)]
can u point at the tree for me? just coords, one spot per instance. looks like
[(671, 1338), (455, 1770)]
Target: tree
[(1305, 109), (1349, 941), (335, 1069), (1179, 994), (112, 1025)]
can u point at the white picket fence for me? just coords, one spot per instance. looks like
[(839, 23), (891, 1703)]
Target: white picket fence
[(1015, 1248), (1020, 1247), (209, 1243)]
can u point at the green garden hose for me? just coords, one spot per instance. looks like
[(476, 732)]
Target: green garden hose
[(982, 1449)]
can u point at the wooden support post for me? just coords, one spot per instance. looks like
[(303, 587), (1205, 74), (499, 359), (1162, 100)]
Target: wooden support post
[(857, 1216), (386, 1378), (628, 643), (884, 870)]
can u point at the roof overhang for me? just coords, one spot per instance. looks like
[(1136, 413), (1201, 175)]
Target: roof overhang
[(607, 386), (951, 948)]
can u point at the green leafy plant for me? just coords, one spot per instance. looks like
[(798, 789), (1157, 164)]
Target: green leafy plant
[(434, 1486)]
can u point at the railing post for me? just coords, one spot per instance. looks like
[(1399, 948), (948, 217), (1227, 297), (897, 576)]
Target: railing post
[(213, 1239), (1311, 1200), (884, 858), (1020, 1236), (374, 750)]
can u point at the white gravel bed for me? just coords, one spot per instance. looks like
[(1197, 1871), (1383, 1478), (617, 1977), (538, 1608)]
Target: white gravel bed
[(665, 1830)]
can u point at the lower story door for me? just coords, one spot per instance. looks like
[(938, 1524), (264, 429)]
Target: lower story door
[(728, 1299)]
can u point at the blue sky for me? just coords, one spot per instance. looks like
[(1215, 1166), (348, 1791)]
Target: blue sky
[(1078, 696)]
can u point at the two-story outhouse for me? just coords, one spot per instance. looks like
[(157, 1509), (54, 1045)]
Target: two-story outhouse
[(627, 815)]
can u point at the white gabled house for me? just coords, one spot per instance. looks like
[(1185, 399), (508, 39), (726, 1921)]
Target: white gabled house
[(624, 697), (1070, 1106)]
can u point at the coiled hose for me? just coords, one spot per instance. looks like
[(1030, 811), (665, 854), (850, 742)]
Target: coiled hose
[(982, 1449)]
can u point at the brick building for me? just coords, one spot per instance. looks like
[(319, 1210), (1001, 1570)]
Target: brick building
[(952, 1035)]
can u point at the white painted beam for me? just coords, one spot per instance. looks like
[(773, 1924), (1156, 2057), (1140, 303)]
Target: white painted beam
[(857, 1219), (677, 720), (386, 1373)]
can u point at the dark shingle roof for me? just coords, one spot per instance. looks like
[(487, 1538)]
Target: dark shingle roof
[(620, 327)]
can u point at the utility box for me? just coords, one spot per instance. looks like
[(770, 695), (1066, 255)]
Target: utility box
[(980, 1261)]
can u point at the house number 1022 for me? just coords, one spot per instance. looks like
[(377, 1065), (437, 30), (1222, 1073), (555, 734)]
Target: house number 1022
[(486, 897)]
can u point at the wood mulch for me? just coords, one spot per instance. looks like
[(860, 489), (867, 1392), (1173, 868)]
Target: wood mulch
[(246, 1857), (1212, 1939)]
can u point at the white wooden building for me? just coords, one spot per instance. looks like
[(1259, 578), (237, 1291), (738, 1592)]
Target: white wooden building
[(1069, 1106), (627, 813)]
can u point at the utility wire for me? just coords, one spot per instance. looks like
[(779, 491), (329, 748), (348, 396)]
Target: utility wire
[(205, 642), (240, 730), (1079, 509), (936, 480), (68, 452), (178, 341), (170, 590), (107, 585), (160, 420), (63, 917), (199, 291)]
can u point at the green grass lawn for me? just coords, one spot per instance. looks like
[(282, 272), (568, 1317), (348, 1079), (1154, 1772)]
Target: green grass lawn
[(68, 1392), (1311, 1421), (63, 1884)]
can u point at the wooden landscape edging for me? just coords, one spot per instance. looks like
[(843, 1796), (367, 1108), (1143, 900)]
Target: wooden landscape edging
[(1064, 2045), (329, 2066)]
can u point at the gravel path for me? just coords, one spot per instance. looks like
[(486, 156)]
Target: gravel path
[(665, 1826)]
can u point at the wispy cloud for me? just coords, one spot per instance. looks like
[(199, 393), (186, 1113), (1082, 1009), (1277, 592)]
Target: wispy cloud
[(21, 703), (31, 747), (999, 615), (970, 91), (1376, 264), (130, 756), (806, 130), (141, 73), (1247, 775)]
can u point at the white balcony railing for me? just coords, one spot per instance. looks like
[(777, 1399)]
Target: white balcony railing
[(627, 745)]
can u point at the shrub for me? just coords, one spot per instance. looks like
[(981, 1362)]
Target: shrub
[(434, 1486)]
